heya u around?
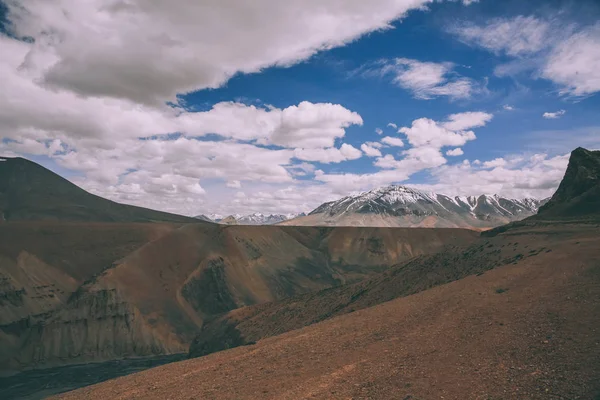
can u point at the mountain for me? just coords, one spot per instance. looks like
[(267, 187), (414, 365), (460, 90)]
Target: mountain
[(29, 191), (407, 207), (262, 219), (203, 217), (250, 219), (578, 195)]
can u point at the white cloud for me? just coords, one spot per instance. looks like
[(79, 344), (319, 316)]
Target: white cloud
[(149, 52), (426, 138), (305, 125), (517, 36), (370, 151), (573, 63), (328, 155), (378, 131), (562, 52), (392, 125), (234, 184), (392, 141), (554, 115), (426, 132), (523, 175), (497, 162), (455, 152), (427, 80), (508, 107), (467, 120)]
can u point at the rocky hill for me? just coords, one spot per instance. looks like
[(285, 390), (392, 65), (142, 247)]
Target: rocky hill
[(404, 206), (578, 195), (511, 317), (29, 191), (114, 291)]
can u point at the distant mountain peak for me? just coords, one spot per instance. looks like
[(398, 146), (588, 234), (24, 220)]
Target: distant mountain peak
[(399, 205), (256, 218)]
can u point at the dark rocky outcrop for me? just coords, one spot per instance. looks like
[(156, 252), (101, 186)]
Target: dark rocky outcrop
[(578, 195)]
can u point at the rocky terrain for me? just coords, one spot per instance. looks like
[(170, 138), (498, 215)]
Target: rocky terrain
[(522, 328), (408, 207), (512, 314)]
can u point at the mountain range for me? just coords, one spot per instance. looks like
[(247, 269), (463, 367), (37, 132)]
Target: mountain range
[(403, 206), (511, 312), (250, 219)]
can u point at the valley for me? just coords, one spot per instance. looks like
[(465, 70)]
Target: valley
[(386, 307)]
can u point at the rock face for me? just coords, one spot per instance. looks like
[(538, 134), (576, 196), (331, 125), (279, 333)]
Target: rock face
[(578, 195), (29, 191), (404, 206)]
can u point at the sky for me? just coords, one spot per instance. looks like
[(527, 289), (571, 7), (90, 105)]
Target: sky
[(234, 107)]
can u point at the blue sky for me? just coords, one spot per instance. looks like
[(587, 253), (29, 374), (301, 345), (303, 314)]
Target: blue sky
[(275, 109)]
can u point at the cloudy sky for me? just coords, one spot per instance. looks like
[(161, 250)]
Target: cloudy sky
[(272, 106)]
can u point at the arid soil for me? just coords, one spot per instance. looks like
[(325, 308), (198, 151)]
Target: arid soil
[(527, 329)]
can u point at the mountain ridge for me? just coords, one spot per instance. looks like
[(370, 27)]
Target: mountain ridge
[(399, 205), (256, 218)]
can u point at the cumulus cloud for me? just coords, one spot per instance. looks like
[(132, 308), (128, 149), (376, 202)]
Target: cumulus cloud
[(427, 80), (392, 125), (508, 107), (378, 131), (392, 141), (523, 175), (426, 138), (455, 152), (554, 115), (562, 52), (467, 120), (305, 125), (370, 150), (150, 52), (427, 132)]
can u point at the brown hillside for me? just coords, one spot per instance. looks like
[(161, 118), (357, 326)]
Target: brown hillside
[(122, 293), (250, 324), (526, 329)]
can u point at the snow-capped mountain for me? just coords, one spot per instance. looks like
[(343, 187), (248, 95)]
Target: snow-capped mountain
[(404, 206), (250, 219)]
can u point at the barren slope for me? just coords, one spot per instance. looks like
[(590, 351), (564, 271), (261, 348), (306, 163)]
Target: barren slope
[(155, 299), (526, 329), (42, 264)]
